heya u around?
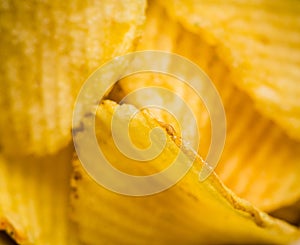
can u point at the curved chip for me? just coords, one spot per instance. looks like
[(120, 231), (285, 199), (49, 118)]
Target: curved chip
[(34, 203), (187, 213), (260, 40), (48, 49), (259, 162)]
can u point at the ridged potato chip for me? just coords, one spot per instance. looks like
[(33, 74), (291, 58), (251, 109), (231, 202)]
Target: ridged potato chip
[(48, 49), (34, 190), (188, 213), (260, 40), (34, 203), (259, 162)]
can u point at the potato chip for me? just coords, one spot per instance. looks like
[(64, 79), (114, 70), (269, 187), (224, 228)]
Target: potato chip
[(259, 162), (154, 39), (34, 202), (260, 40), (48, 49), (187, 213)]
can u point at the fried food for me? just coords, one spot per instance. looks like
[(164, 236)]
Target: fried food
[(259, 162), (260, 41), (34, 198), (187, 213), (260, 165), (48, 49)]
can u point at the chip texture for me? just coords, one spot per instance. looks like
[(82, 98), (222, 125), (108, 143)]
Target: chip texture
[(34, 202), (260, 40), (187, 213), (259, 162), (48, 49)]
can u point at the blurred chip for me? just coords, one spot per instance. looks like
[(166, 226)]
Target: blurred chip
[(48, 49), (34, 201), (260, 40), (188, 213)]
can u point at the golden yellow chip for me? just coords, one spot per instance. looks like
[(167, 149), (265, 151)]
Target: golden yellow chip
[(261, 166), (187, 213), (260, 40), (34, 198), (259, 162), (48, 49)]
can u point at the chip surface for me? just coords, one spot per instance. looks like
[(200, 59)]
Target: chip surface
[(260, 40), (187, 213), (260, 163), (34, 203), (48, 49)]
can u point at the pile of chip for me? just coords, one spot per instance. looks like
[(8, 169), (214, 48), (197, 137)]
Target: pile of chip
[(251, 52)]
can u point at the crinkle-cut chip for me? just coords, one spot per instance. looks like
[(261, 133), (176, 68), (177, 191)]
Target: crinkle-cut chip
[(48, 49), (259, 162), (187, 213), (34, 201), (260, 40)]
